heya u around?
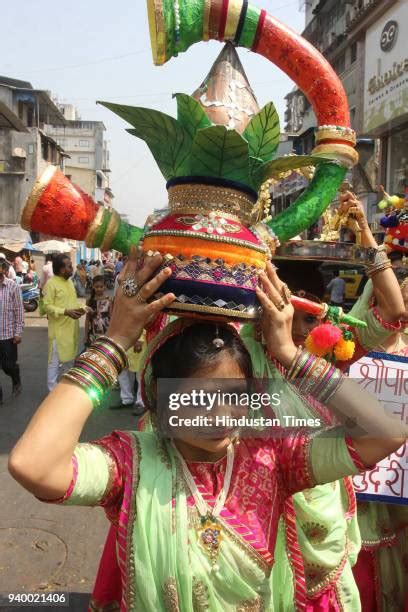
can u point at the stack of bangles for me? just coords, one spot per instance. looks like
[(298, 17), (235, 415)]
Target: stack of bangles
[(314, 376), (381, 262), (97, 369)]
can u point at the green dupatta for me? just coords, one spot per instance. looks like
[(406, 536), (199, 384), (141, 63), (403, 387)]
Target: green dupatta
[(328, 533), (166, 552)]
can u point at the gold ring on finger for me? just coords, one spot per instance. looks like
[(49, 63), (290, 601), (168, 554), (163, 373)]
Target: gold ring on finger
[(280, 306), (139, 299), (129, 287), (286, 293)]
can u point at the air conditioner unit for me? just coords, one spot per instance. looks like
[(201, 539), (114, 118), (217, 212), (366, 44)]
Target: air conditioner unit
[(19, 152)]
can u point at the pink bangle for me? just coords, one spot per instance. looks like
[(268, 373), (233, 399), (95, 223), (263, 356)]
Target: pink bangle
[(389, 326)]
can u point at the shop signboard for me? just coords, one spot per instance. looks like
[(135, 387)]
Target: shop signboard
[(386, 71)]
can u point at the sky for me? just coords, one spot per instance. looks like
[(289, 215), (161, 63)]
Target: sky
[(83, 51)]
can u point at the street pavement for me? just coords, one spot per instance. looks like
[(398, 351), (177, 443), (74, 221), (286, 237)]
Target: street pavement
[(46, 548)]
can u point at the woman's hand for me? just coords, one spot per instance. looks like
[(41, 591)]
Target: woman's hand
[(350, 204), (277, 317), (131, 314)]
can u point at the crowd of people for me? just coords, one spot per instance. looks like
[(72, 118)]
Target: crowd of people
[(62, 292), (21, 269)]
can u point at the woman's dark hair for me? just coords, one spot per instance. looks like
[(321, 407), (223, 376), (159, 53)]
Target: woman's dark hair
[(302, 276), (58, 262), (194, 349), (92, 301)]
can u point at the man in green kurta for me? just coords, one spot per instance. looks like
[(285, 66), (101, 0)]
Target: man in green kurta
[(64, 311)]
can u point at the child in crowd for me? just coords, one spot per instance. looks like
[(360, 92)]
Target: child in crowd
[(99, 311)]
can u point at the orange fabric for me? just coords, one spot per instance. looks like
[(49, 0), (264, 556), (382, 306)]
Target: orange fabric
[(231, 254)]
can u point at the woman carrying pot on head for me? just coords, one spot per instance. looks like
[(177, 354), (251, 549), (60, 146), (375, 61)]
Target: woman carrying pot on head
[(188, 527)]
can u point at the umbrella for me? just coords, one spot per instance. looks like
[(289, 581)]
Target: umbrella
[(52, 246)]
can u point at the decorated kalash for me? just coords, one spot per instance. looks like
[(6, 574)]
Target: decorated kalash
[(169, 548), (216, 156)]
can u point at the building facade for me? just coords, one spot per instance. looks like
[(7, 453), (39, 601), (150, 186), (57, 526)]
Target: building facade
[(88, 162), (26, 148), (343, 31), (386, 94)]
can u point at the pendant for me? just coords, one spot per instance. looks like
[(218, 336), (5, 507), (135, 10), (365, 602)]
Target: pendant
[(210, 537)]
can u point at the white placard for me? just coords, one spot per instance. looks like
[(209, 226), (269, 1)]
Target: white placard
[(386, 377)]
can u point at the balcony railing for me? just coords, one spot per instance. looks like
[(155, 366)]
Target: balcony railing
[(356, 15)]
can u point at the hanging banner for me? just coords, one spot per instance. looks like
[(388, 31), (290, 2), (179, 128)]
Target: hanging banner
[(386, 377)]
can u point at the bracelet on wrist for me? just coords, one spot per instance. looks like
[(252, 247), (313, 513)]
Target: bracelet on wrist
[(394, 327), (97, 369), (314, 376), (372, 271), (381, 262)]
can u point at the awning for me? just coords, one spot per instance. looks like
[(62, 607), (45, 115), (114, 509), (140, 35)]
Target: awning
[(53, 246), (20, 246)]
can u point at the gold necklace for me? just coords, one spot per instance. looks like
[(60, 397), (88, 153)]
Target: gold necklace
[(209, 531)]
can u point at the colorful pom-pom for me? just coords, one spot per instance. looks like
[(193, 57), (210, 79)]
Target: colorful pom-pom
[(344, 350), (325, 336), (312, 348), (383, 204)]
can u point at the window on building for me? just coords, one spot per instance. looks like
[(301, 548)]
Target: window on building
[(98, 181), (339, 64), (352, 115), (353, 53), (30, 116), (44, 149), (83, 159), (84, 143)]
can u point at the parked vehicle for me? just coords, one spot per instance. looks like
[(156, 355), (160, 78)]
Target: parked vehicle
[(31, 296)]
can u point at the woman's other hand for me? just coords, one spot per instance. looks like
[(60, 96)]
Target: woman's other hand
[(131, 314), (277, 316)]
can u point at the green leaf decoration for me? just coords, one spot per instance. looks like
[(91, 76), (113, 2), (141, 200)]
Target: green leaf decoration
[(191, 114), (262, 133), (169, 143), (220, 153), (254, 164), (273, 169)]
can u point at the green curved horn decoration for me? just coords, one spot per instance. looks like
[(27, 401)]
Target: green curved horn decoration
[(175, 25)]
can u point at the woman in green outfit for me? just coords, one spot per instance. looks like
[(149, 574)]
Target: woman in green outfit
[(196, 517)]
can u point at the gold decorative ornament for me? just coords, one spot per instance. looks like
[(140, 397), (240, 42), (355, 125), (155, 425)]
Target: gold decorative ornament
[(38, 189), (111, 231)]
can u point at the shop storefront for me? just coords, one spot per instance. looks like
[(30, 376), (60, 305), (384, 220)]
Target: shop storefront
[(386, 94)]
